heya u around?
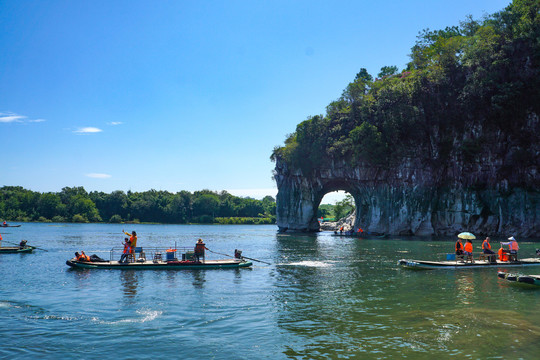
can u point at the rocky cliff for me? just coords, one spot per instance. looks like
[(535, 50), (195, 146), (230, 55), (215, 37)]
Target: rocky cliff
[(450, 143), (421, 196)]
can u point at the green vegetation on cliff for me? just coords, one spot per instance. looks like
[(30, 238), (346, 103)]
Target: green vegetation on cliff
[(77, 205), (462, 83)]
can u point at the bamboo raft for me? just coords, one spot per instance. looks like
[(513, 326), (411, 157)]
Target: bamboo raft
[(157, 261), (16, 249)]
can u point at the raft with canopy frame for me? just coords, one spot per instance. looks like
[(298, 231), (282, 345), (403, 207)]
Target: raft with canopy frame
[(454, 264), (160, 259)]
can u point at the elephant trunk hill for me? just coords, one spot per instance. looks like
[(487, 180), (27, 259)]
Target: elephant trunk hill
[(449, 144)]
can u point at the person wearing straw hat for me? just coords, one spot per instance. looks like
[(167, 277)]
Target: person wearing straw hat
[(199, 250), (513, 247)]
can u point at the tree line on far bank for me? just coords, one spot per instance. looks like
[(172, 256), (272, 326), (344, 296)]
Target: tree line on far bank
[(75, 204)]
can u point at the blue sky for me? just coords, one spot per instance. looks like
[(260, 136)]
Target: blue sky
[(184, 95)]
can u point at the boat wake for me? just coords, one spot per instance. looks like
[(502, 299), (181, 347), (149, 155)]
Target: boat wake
[(309, 263), (145, 316)]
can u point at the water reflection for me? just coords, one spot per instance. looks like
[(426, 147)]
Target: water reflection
[(130, 281), (238, 275), (81, 275), (465, 287), (198, 278), (291, 248)]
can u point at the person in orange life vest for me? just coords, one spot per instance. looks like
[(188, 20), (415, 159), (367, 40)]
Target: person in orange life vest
[(132, 240), (513, 246), (82, 256), (199, 249), (468, 250), (486, 246), (459, 247), (126, 251), (502, 255), (0, 239)]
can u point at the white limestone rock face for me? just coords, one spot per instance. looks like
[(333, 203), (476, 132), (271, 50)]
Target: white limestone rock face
[(418, 197)]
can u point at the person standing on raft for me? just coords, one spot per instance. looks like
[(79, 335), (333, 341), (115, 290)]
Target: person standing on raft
[(199, 250), (132, 240)]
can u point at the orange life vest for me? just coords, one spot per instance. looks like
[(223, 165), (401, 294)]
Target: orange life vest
[(486, 245), (514, 246), (199, 248), (468, 247), (459, 246), (132, 243), (126, 249), (502, 255), (83, 257)]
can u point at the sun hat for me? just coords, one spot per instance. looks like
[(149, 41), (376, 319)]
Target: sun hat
[(511, 238)]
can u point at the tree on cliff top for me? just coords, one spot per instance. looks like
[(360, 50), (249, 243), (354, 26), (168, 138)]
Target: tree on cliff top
[(480, 74)]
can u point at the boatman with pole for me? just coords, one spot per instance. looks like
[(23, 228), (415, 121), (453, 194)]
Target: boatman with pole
[(199, 250)]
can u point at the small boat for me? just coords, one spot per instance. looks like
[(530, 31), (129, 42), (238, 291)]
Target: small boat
[(16, 249), (2, 225), (364, 235), (453, 264), (157, 262), (161, 264), (522, 279)]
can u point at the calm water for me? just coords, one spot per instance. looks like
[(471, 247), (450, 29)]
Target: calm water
[(322, 298)]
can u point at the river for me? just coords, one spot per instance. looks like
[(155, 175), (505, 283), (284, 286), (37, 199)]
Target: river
[(323, 297)]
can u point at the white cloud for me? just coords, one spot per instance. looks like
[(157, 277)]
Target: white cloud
[(98, 176), (113, 123), (15, 118), (5, 118), (88, 130)]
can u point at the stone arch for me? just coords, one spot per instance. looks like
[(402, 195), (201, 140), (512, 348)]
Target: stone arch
[(404, 201), (379, 207), (337, 185), (299, 197)]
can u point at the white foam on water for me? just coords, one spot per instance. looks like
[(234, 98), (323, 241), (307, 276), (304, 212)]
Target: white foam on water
[(310, 264), (145, 316), (4, 304), (149, 315)]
